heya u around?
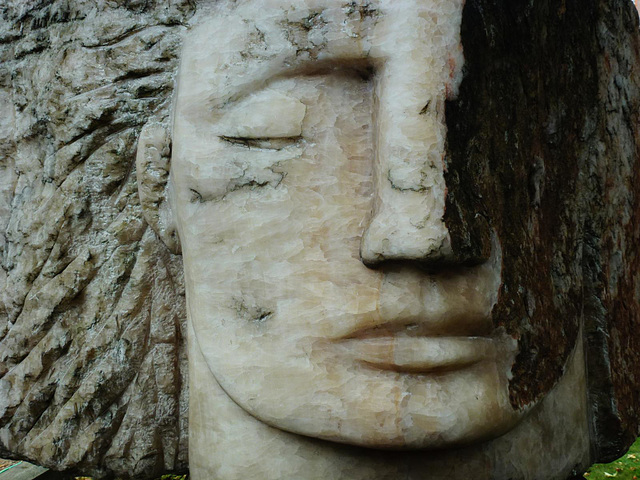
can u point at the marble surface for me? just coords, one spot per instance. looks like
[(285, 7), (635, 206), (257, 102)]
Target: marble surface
[(323, 293), (552, 442), (306, 209)]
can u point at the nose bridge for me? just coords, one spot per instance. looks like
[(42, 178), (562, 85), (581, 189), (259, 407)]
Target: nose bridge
[(407, 220), (408, 211)]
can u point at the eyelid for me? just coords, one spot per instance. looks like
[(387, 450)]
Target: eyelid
[(267, 114), (264, 143)]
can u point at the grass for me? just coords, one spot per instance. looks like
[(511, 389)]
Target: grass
[(626, 467)]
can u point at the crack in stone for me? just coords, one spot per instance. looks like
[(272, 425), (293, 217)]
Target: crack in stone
[(196, 197), (394, 186), (312, 21), (257, 41), (242, 182), (365, 10), (263, 143), (264, 316), (252, 313), (425, 109), (298, 32)]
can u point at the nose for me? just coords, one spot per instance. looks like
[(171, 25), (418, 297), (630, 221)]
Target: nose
[(415, 216), (410, 190), (408, 221)]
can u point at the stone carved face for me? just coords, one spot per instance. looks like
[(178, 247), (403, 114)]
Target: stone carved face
[(307, 168), (325, 288)]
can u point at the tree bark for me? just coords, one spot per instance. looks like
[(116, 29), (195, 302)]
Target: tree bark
[(544, 147)]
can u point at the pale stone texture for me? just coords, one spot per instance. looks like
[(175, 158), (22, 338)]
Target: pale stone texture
[(361, 268), (288, 226), (552, 443)]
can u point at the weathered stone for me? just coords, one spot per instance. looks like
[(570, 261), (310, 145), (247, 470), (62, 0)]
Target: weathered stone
[(382, 247), (92, 345), (551, 103)]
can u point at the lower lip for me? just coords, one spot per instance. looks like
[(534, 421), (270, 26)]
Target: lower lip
[(419, 354)]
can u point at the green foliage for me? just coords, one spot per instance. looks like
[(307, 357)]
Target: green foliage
[(626, 467)]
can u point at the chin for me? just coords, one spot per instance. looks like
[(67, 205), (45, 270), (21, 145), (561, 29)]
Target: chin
[(375, 408)]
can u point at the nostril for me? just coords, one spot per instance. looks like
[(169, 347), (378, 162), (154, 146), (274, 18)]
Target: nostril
[(396, 238), (433, 245)]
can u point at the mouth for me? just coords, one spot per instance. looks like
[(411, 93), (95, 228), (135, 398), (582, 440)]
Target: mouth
[(419, 354), (409, 350)]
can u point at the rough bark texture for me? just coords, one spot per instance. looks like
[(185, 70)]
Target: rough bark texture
[(92, 361), (614, 273), (543, 144)]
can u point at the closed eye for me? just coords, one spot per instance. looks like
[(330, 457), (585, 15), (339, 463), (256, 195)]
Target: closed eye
[(264, 143), (265, 120)]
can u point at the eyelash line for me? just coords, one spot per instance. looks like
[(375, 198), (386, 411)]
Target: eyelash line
[(263, 143)]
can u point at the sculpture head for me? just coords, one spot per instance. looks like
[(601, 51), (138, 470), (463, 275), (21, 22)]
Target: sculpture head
[(308, 190), (339, 285)]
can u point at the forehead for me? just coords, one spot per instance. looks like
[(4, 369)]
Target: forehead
[(236, 47)]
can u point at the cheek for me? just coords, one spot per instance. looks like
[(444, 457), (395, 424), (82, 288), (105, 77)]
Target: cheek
[(314, 210), (284, 249), (281, 226)]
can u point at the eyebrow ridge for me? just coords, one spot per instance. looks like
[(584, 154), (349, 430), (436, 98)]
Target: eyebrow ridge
[(363, 66)]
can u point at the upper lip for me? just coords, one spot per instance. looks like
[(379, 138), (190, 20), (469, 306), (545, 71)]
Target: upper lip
[(459, 325), (422, 345), (412, 304)]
